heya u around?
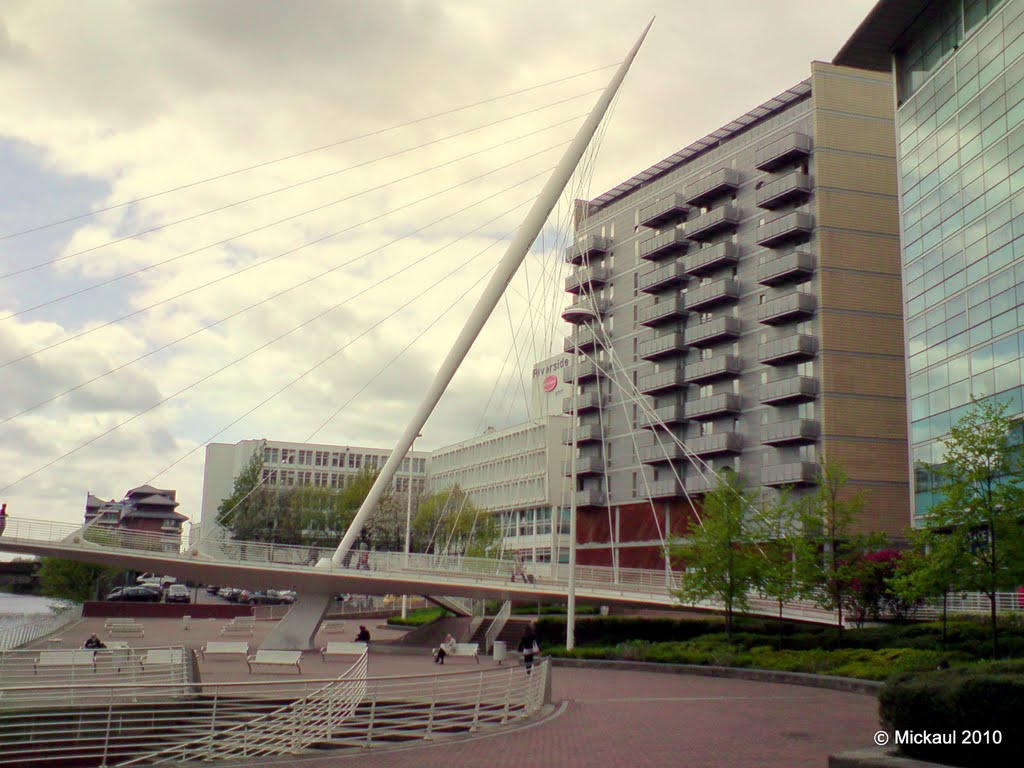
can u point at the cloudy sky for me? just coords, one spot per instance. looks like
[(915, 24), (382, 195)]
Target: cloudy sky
[(416, 135)]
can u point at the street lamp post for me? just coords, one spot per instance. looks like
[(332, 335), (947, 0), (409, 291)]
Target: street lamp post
[(408, 519)]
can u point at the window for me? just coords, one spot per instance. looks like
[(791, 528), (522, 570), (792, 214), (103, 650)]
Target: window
[(707, 353), (706, 390), (706, 317), (707, 428)]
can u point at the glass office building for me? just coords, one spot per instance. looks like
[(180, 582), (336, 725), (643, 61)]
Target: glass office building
[(959, 72)]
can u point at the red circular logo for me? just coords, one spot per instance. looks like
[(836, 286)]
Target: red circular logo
[(550, 383)]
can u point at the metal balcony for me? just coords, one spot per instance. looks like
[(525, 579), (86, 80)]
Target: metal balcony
[(587, 401), (717, 292), (585, 248), (789, 390), (783, 190), (590, 497), (785, 309), (797, 225), (790, 431), (714, 185), (793, 266), (794, 473), (585, 340), (585, 309), (712, 258), (670, 345), (663, 312), (717, 367), (664, 278), (790, 349), (670, 208), (715, 405), (666, 415), (587, 277), (723, 218), (725, 327), (661, 453), (662, 381), (664, 245), (585, 465), (716, 443), (669, 488), (697, 484), (782, 151), (585, 370), (585, 433)]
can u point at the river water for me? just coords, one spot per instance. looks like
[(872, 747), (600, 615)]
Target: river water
[(18, 609)]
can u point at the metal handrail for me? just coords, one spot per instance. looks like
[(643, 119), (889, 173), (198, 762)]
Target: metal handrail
[(498, 624), (597, 582), (153, 723), (30, 631)]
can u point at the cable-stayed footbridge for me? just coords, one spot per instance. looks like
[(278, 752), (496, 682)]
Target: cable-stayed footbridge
[(226, 561)]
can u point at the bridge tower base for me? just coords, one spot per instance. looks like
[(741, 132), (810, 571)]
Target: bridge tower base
[(295, 632)]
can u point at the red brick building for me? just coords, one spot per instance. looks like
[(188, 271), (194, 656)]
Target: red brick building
[(143, 510)]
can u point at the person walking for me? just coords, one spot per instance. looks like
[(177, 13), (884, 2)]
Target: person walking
[(529, 648), (3, 518)]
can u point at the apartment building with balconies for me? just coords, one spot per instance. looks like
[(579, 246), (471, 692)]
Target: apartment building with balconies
[(738, 305)]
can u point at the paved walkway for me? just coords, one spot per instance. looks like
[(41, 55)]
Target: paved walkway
[(601, 718)]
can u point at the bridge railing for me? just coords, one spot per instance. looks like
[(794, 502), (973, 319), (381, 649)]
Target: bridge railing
[(30, 631), (155, 724)]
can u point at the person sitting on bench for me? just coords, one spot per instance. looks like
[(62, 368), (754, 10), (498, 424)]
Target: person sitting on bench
[(93, 642), (364, 635), (446, 648)]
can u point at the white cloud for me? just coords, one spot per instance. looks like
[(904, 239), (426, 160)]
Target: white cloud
[(143, 97)]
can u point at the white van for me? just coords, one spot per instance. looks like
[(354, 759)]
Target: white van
[(155, 580)]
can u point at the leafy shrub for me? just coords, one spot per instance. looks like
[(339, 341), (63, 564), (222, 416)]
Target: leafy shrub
[(419, 617), (986, 698)]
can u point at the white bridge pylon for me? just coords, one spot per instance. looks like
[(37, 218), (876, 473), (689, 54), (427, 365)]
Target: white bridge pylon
[(273, 566)]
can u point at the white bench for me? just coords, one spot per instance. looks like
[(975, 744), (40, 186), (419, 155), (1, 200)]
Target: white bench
[(236, 629), (117, 654), (162, 656), (333, 627), (275, 659), (339, 648), (224, 648), (126, 629), (468, 649), (83, 657)]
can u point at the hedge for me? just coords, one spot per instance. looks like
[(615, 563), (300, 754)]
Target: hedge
[(979, 702)]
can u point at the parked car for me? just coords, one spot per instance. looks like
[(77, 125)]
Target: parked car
[(212, 590), (135, 595), (288, 596), (155, 579), (178, 593)]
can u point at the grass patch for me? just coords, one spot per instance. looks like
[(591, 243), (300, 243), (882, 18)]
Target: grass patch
[(419, 617)]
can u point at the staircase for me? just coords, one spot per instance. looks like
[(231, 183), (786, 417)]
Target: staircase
[(511, 633)]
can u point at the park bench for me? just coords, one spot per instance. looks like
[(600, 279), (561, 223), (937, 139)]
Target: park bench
[(121, 628), (225, 648), (231, 628), (117, 654), (339, 648), (275, 659), (162, 656), (83, 657), (333, 627), (468, 649)]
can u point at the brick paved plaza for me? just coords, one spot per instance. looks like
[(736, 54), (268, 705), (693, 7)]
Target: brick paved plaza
[(602, 718)]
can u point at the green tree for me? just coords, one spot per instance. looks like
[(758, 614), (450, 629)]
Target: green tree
[(924, 573), (781, 548), (71, 580), (449, 521), (975, 528), (830, 549), (719, 552)]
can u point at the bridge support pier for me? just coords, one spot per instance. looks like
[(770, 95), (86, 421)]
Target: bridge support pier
[(295, 632)]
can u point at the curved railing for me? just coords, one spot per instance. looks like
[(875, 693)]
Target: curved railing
[(594, 583), (30, 631), (148, 723)]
